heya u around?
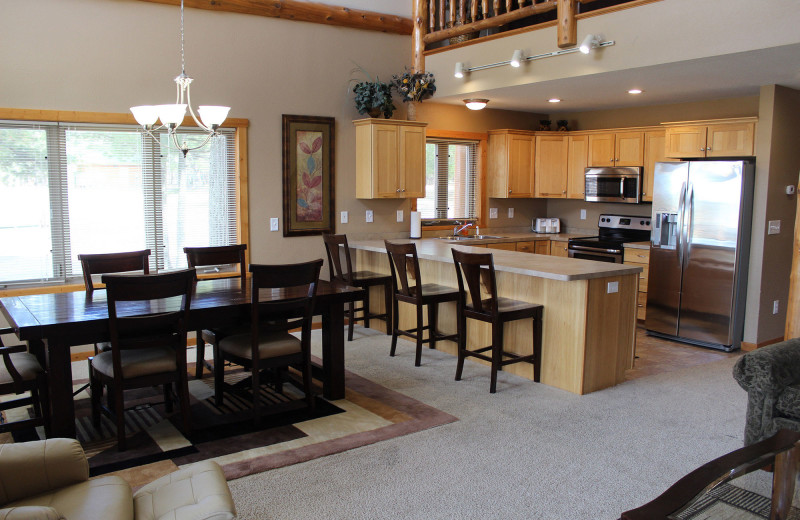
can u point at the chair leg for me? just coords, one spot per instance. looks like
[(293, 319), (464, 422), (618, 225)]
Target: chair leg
[(366, 307), (307, 382), (497, 348), (183, 398), (420, 325), (537, 348), (35, 402), (219, 375), (255, 373), (462, 343), (395, 326), (433, 320), (351, 321), (387, 297), (168, 397), (97, 394), (119, 414), (44, 397), (201, 355)]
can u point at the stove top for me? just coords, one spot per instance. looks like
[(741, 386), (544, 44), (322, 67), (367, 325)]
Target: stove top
[(615, 230)]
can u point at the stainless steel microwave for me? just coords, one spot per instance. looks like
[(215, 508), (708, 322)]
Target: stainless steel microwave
[(614, 184)]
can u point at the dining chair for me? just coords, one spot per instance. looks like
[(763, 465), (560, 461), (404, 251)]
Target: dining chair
[(290, 291), (21, 372), (336, 247), (404, 264), (148, 343), (215, 256), (477, 299)]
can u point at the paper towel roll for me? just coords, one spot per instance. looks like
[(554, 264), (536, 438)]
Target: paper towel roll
[(416, 225)]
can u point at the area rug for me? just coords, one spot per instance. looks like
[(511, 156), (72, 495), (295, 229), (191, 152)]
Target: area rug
[(730, 502), (287, 435)]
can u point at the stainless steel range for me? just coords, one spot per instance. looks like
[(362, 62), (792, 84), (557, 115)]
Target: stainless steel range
[(614, 231)]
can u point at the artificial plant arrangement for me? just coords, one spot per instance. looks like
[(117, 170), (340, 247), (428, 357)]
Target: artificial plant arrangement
[(373, 97), (414, 86)]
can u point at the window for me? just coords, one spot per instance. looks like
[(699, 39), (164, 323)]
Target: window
[(450, 180), (67, 189)]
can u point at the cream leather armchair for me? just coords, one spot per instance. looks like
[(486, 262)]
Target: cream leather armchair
[(49, 480)]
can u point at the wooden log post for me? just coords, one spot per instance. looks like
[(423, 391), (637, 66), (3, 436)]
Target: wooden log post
[(567, 24), (474, 11), (432, 16), (419, 15)]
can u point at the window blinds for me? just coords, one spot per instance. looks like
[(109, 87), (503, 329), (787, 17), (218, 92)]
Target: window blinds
[(451, 180)]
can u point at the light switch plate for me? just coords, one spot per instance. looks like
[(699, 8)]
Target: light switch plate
[(344, 217), (369, 215), (583, 214), (775, 307), (273, 224), (492, 212), (510, 212), (613, 287), (774, 227), (399, 215)]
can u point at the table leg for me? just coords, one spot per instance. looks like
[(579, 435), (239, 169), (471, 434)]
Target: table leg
[(59, 378), (333, 351)]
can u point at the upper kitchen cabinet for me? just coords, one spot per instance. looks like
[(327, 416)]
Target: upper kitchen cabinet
[(714, 138), (551, 166), (510, 164), (654, 151), (616, 149), (390, 159), (578, 153)]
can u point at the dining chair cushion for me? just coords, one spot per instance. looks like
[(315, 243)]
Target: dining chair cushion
[(107, 497), (270, 344), (25, 363), (137, 362)]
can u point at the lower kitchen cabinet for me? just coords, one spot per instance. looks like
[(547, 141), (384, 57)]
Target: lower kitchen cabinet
[(559, 248), (640, 258), (507, 246)]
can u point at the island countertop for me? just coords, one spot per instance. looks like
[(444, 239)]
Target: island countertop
[(529, 264)]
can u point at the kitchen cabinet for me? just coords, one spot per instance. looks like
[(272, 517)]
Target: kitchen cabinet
[(510, 164), (616, 149), (528, 246), (577, 161), (716, 138), (551, 166), (390, 159), (559, 248), (640, 258), (506, 246), (654, 151)]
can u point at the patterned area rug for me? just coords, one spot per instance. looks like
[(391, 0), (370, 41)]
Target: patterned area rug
[(729, 502), (288, 433)]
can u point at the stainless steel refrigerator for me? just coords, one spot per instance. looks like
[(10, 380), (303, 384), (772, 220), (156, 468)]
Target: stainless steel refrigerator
[(699, 250)]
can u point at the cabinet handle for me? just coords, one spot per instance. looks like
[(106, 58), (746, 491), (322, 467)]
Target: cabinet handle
[(398, 190), (403, 190), (509, 191), (564, 192), (702, 149), (708, 149), (640, 305)]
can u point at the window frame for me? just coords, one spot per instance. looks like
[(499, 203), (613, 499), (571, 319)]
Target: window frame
[(240, 127)]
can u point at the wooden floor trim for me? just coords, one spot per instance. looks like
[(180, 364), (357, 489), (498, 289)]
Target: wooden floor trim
[(747, 347)]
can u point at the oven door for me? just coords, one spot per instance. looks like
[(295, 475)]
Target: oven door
[(612, 256)]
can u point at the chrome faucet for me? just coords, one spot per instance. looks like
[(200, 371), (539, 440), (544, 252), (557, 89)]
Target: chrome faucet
[(457, 230)]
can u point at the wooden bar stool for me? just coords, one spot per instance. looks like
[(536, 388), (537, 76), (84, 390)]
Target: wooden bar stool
[(336, 247), (404, 263), (478, 271)]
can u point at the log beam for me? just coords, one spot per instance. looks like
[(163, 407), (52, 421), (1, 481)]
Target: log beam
[(567, 24), (304, 12), (494, 21), (420, 14)]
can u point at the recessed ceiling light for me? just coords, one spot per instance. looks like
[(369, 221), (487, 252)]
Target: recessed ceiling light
[(554, 100), (635, 91)]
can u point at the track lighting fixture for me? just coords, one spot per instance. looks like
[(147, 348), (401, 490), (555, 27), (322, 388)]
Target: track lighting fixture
[(516, 59)]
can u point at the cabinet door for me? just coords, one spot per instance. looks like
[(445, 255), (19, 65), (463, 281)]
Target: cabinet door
[(385, 156), (686, 142), (520, 166), (578, 153), (550, 173), (628, 149), (541, 247), (730, 140), (497, 167), (601, 150), (526, 247), (558, 248), (654, 151), (412, 162), (507, 246)]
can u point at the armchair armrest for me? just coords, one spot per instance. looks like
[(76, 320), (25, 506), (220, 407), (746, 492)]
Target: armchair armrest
[(31, 468), (770, 369), (30, 513)]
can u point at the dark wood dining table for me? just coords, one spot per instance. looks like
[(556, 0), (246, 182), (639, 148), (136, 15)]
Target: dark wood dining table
[(52, 323)]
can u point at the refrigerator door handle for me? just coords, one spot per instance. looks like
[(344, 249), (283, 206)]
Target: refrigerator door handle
[(690, 223), (679, 238)]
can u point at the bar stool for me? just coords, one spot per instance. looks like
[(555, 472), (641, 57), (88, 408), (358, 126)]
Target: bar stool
[(336, 247), (478, 271), (404, 263)]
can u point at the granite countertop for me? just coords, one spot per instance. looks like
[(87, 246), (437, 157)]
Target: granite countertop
[(637, 245), (542, 266)]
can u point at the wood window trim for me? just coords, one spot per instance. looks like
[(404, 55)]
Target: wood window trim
[(64, 116)]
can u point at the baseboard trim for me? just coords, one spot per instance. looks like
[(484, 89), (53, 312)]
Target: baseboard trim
[(747, 347)]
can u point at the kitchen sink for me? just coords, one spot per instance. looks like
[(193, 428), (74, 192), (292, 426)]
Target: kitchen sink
[(470, 237)]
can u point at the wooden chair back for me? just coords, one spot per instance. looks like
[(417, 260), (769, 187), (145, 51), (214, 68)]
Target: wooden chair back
[(334, 244), (218, 255), (104, 263), (476, 279), (142, 312), (404, 263)]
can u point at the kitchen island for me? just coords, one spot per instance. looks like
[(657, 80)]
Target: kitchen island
[(589, 319)]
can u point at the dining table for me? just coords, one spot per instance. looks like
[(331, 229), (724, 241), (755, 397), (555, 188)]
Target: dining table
[(52, 323)]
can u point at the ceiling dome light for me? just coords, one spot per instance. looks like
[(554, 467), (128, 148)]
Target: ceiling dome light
[(459, 73), (554, 100), (516, 59), (590, 42), (476, 104), (635, 91)]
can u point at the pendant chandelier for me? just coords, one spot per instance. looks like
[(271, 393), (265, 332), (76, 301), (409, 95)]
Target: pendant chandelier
[(171, 116)]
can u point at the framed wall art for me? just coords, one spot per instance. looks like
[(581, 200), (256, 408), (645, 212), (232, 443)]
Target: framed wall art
[(308, 175)]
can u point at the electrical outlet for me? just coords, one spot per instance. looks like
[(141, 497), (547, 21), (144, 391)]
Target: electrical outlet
[(774, 227), (775, 307), (492, 212), (583, 214), (343, 218), (510, 212), (273, 224), (399, 215), (369, 215), (613, 287)]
